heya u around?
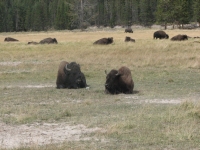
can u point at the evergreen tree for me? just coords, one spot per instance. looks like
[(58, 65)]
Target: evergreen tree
[(196, 10)]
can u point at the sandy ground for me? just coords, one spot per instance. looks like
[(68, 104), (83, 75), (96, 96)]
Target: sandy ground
[(41, 134)]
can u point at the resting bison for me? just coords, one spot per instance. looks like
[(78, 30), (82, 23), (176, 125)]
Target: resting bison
[(179, 37), (129, 39), (70, 76), (119, 81), (160, 35), (128, 30), (32, 42), (9, 39), (104, 41), (49, 41)]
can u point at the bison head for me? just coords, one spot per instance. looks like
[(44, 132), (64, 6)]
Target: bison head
[(110, 40), (167, 36), (111, 85), (55, 41), (75, 78)]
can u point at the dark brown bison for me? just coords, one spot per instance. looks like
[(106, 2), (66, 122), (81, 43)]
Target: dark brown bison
[(128, 30), (129, 39), (160, 35), (32, 42), (179, 37), (119, 81), (9, 39), (104, 41), (70, 76), (49, 41)]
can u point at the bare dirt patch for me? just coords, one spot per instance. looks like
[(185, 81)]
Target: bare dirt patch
[(41, 134), (30, 86), (156, 101), (10, 63)]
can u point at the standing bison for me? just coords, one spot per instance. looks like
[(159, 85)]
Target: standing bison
[(104, 41), (179, 37), (129, 39), (70, 76), (128, 30), (9, 39), (119, 81), (160, 35), (49, 41)]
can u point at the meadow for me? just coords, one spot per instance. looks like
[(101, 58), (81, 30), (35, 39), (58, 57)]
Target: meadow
[(163, 112)]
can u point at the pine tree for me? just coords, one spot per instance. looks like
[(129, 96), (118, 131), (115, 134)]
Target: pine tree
[(196, 10)]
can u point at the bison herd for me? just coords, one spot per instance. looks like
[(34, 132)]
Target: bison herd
[(117, 81)]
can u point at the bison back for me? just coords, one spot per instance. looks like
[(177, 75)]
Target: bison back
[(9, 39), (61, 76), (125, 80), (160, 35)]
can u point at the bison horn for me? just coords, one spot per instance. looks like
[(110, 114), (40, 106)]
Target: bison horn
[(67, 68), (118, 74)]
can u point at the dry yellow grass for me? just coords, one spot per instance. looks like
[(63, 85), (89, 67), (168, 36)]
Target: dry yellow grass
[(77, 46)]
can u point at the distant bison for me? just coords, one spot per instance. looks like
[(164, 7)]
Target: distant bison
[(70, 76), (32, 42), (9, 39), (160, 35), (128, 30), (104, 41), (49, 41), (179, 37), (119, 81), (129, 39)]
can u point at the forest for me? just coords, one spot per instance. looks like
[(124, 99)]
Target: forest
[(43, 15)]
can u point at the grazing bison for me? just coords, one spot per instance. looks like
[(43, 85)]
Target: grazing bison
[(128, 30), (49, 41), (9, 39), (104, 41), (32, 42), (119, 81), (160, 35), (129, 39), (70, 76), (179, 37)]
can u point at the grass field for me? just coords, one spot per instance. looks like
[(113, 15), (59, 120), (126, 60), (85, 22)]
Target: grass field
[(164, 112)]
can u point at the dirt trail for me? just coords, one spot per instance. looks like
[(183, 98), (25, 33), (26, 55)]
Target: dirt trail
[(41, 134)]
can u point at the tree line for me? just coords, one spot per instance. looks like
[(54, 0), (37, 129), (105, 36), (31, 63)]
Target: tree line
[(41, 15)]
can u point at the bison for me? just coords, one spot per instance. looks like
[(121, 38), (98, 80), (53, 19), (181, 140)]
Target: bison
[(49, 41), (70, 76), (104, 41), (160, 35), (129, 39), (128, 30), (9, 39), (119, 81), (179, 37), (32, 42)]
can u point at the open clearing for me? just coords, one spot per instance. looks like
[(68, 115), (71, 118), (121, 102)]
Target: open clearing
[(163, 112)]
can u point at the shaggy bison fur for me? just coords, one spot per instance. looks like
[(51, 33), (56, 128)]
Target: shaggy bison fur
[(9, 39), (104, 41), (160, 35), (129, 39), (128, 30), (70, 76), (119, 81), (49, 41), (179, 37)]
